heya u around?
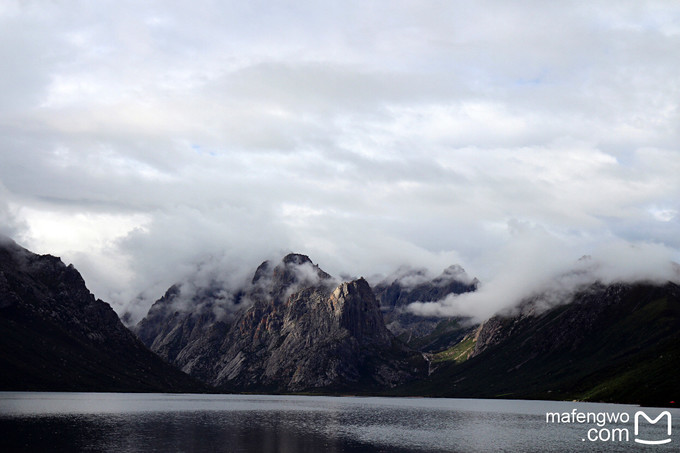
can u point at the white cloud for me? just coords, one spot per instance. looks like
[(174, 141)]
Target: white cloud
[(663, 215), (366, 135), (541, 267)]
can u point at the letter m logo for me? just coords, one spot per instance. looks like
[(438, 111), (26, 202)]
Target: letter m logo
[(665, 414)]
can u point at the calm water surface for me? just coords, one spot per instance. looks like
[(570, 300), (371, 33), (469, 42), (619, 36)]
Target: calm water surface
[(117, 422)]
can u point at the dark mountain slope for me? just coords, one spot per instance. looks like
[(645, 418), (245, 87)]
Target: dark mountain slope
[(54, 335), (619, 343)]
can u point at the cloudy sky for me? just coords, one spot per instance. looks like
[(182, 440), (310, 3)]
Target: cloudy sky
[(140, 139)]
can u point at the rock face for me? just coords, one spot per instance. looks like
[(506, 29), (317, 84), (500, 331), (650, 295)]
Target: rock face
[(297, 330), (174, 324), (177, 324), (618, 343), (425, 333), (54, 335)]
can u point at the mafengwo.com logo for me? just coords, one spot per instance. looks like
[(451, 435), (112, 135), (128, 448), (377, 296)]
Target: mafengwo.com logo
[(664, 415), (616, 426)]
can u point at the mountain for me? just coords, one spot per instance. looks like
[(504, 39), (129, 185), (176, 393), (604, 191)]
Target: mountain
[(176, 322), (617, 343), (425, 333), (54, 335), (296, 329)]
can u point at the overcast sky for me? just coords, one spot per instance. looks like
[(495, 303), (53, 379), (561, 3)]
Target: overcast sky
[(138, 139)]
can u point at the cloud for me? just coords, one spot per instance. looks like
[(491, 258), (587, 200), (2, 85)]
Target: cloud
[(137, 140), (541, 268), (212, 287), (409, 277), (11, 224)]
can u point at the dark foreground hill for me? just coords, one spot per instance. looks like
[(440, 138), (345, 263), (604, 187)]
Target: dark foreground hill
[(618, 343), (54, 335)]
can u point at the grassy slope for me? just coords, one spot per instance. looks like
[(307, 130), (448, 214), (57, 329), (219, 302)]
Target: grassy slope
[(458, 353)]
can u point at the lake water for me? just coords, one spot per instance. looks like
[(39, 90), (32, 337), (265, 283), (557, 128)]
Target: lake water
[(117, 422)]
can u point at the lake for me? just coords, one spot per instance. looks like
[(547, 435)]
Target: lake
[(124, 422)]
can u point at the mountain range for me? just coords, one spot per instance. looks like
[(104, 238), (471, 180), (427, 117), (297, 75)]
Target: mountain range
[(293, 328), (297, 329)]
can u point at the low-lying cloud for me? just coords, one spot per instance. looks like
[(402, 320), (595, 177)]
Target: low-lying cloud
[(537, 276), (409, 277), (219, 287)]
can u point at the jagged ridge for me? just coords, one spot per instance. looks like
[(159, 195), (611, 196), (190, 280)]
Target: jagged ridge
[(301, 331)]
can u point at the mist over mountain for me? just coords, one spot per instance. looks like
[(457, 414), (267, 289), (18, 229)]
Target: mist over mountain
[(617, 343), (549, 274), (295, 328), (406, 286), (166, 149), (508, 139), (292, 327)]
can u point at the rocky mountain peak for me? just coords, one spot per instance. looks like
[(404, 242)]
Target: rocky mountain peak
[(358, 311), (173, 291), (352, 288), (456, 273), (293, 268), (296, 258), (317, 338), (300, 330), (261, 272), (293, 273), (296, 268), (188, 311)]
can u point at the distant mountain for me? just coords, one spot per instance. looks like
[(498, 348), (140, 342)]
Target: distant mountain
[(425, 333), (54, 335), (176, 322), (618, 343), (296, 330)]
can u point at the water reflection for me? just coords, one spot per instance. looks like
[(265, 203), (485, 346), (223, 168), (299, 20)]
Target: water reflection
[(66, 422), (177, 432)]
